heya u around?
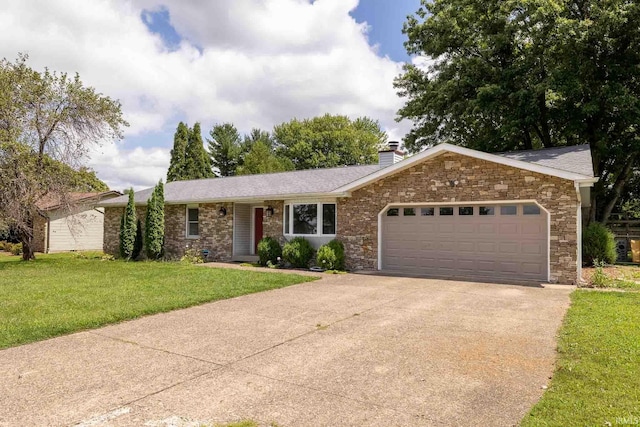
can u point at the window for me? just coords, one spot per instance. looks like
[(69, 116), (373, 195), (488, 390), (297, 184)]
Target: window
[(305, 219), (531, 210), (487, 210), (393, 212), (329, 218), (287, 219), (508, 210), (465, 210), (409, 211), (427, 211), (310, 219), (192, 222), (446, 211)]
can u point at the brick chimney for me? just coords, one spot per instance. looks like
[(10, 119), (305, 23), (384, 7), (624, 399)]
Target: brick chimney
[(391, 155)]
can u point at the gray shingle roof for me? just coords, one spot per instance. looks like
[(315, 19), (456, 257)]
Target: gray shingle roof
[(264, 186), (576, 159)]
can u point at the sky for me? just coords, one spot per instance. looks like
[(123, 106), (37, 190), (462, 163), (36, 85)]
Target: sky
[(253, 63)]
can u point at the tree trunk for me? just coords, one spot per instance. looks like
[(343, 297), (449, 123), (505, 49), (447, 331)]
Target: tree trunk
[(545, 132), (25, 233), (616, 190)]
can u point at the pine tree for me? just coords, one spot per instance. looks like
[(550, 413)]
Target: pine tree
[(224, 149), (137, 243), (197, 161), (128, 229), (154, 223), (177, 164)]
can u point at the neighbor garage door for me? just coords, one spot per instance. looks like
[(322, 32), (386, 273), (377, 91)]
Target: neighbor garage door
[(505, 241)]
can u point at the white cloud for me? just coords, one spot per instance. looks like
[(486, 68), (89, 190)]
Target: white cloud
[(254, 63)]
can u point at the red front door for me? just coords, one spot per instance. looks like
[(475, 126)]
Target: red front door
[(257, 228)]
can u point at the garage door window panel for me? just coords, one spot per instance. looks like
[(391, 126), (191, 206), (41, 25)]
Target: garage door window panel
[(465, 210), (427, 211), (393, 212), (487, 210), (409, 212), (531, 210), (508, 210), (446, 211)]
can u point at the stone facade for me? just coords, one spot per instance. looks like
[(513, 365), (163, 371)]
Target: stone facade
[(477, 180), (216, 232), (430, 181), (273, 226)]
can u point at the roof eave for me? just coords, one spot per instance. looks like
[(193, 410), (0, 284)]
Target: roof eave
[(448, 148), (246, 199)]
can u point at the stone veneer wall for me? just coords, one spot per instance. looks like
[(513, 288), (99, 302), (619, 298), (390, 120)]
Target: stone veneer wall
[(273, 226), (216, 233), (478, 180)]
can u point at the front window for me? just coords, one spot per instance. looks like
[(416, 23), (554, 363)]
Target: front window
[(310, 219), (192, 222), (305, 219)]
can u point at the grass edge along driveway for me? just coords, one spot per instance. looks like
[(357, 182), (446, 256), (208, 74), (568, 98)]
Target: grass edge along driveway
[(597, 377), (64, 293)]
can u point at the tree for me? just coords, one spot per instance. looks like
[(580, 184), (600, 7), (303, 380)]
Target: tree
[(262, 159), (154, 223), (329, 141), (128, 229), (197, 162), (45, 115), (224, 148), (508, 75), (178, 154)]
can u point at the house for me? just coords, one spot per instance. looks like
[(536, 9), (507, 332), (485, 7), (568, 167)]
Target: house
[(78, 227), (448, 211)]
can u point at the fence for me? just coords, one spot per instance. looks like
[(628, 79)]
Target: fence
[(625, 231)]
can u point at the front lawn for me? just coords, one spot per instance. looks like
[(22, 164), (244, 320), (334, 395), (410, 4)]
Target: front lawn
[(59, 294), (597, 378)]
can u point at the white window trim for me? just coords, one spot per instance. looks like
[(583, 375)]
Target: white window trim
[(319, 222), (186, 222)]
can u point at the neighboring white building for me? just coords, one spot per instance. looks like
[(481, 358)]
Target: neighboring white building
[(59, 229)]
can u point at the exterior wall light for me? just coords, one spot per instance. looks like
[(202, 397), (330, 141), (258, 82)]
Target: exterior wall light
[(269, 211), (222, 212)]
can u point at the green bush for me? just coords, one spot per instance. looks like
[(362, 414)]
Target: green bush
[(298, 252), (16, 249), (269, 250), (331, 256), (598, 244), (3, 246)]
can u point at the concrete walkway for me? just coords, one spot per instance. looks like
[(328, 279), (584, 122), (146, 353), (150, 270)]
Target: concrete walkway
[(346, 350)]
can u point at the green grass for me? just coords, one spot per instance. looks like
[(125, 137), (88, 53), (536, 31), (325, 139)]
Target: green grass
[(597, 378), (63, 293)]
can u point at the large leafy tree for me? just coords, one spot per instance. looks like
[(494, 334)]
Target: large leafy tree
[(507, 75), (46, 115), (329, 141), (224, 149), (197, 163), (177, 164), (262, 159)]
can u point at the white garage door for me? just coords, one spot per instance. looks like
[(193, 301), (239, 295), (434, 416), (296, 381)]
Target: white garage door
[(506, 241), (80, 232)]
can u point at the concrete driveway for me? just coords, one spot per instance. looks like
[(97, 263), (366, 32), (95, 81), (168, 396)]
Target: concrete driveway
[(346, 350)]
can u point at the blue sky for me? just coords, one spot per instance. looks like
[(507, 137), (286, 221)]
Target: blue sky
[(253, 63)]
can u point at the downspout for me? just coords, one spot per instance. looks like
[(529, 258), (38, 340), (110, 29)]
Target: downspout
[(579, 231)]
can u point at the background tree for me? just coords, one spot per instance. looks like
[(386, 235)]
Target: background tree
[(197, 162), (45, 115), (154, 223), (178, 154), (128, 229), (262, 159), (508, 75), (329, 141), (224, 149)]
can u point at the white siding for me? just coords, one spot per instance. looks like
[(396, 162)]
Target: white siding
[(78, 232), (242, 229)]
